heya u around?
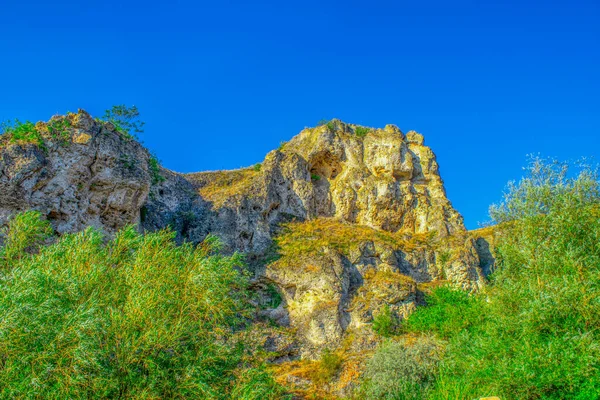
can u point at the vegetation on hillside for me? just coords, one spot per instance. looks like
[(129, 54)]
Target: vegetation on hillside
[(218, 186), (134, 317), (534, 332), (311, 236), (58, 129)]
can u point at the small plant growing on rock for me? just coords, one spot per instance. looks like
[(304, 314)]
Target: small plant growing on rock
[(257, 167), (23, 132), (361, 131), (385, 322), (330, 126), (59, 129), (154, 168), (328, 367), (315, 177)]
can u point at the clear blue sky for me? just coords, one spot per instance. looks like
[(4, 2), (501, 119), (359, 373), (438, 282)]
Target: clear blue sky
[(222, 83)]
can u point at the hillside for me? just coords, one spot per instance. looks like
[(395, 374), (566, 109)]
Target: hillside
[(340, 225)]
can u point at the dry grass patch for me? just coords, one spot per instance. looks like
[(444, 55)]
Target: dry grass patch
[(218, 186), (310, 237)]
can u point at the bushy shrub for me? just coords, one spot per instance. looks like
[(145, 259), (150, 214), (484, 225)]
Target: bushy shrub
[(401, 371), (134, 317), (154, 169), (449, 311)]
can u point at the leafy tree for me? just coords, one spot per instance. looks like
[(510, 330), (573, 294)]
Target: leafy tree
[(125, 119)]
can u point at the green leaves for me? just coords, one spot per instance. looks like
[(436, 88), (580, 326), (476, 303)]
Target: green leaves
[(125, 119), (133, 317)]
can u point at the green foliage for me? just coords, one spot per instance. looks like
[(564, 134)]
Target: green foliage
[(385, 322), (329, 365), (401, 371), (28, 132), (534, 332), (23, 132), (154, 168), (58, 129), (257, 167), (133, 317), (449, 312), (258, 384), (361, 131), (273, 295), (315, 177), (25, 231), (125, 119), (331, 126)]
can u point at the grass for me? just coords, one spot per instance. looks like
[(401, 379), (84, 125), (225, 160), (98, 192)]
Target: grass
[(134, 317), (312, 236), (219, 186), (318, 374)]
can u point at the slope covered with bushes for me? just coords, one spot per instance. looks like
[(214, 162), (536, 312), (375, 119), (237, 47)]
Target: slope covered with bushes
[(534, 332), (134, 317)]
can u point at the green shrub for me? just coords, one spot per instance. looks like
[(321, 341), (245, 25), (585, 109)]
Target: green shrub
[(315, 177), (132, 317), (154, 169), (328, 366), (331, 126), (361, 131), (59, 129), (400, 371), (385, 322), (257, 167), (449, 311)]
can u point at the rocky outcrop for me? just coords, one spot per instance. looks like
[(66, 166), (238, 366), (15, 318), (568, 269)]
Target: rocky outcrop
[(88, 175), (384, 180), (343, 219)]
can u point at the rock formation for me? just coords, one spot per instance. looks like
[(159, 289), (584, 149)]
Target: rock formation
[(344, 220)]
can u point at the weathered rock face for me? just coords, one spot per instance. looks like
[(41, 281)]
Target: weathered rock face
[(372, 221), (94, 177), (385, 180)]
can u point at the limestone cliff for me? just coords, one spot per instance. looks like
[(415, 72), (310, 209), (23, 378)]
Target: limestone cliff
[(342, 219)]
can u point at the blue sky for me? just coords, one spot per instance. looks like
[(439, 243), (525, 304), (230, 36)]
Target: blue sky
[(220, 84)]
